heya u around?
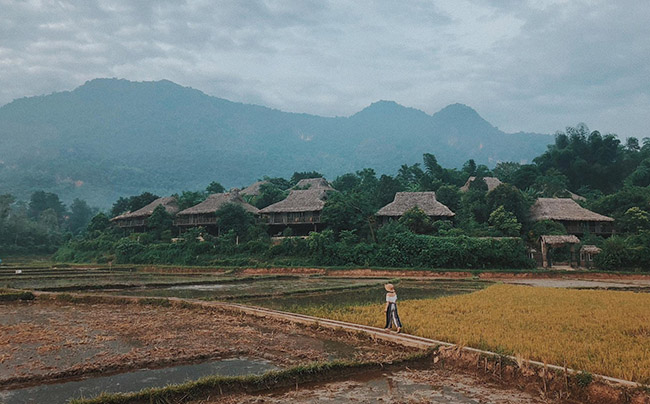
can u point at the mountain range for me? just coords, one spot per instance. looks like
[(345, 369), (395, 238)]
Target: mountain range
[(113, 137)]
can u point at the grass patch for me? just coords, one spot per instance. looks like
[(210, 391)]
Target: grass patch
[(596, 331), (219, 385)]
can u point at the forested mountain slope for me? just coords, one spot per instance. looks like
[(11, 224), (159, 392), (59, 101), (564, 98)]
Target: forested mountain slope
[(111, 138)]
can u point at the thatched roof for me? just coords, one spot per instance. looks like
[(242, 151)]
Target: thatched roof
[(591, 249), (313, 183), (564, 209), (307, 200), (559, 240), (491, 182), (253, 189), (215, 201), (169, 203), (408, 200)]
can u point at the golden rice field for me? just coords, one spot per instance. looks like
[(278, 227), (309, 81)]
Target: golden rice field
[(605, 332)]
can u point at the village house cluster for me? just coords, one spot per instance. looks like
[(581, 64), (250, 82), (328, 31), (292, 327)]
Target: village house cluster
[(301, 212)]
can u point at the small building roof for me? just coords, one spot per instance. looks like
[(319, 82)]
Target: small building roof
[(254, 188), (491, 182), (408, 200), (215, 201), (169, 203), (564, 209), (313, 183), (305, 200), (558, 240), (590, 248)]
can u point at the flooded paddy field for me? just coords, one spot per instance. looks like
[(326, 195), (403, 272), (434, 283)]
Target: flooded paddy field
[(374, 294), (238, 288), (94, 278)]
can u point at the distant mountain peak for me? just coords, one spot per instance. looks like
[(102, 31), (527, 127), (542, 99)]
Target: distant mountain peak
[(461, 114), (384, 108)]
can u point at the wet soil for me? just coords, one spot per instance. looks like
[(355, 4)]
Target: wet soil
[(48, 340), (60, 393), (402, 386), (584, 283)]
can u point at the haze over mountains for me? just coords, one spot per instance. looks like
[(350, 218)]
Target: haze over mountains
[(111, 138)]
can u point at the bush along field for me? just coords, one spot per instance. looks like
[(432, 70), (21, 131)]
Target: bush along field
[(396, 247), (604, 332)]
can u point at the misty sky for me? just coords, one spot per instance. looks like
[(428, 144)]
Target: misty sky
[(523, 65)]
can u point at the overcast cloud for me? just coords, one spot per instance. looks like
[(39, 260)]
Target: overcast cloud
[(523, 65)]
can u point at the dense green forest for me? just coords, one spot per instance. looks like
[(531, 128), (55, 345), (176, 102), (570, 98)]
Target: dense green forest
[(614, 179)]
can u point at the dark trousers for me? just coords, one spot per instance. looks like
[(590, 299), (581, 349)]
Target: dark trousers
[(392, 316)]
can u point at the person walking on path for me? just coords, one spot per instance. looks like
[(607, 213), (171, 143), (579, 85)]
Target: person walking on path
[(392, 318)]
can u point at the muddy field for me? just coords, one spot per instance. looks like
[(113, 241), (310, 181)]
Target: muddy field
[(47, 340), (402, 386)]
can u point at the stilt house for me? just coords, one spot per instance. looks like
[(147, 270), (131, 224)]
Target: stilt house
[(576, 219), (138, 219), (300, 211), (203, 214)]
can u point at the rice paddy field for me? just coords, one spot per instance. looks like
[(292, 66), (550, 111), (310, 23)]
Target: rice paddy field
[(599, 331)]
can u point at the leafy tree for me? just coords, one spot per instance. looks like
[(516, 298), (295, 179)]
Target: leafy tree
[(411, 177), (160, 223), (417, 221), (80, 215), (49, 221), (478, 184), (233, 217), (449, 195), (41, 201), (592, 159), (432, 167), (552, 184), (132, 203), (511, 199), (504, 222), (473, 205), (346, 182), (505, 171), (545, 227), (469, 168), (297, 176), (525, 176), (641, 175), (347, 212), (187, 199), (215, 188), (6, 201), (634, 220), (615, 205), (269, 194), (278, 182), (99, 222), (386, 189)]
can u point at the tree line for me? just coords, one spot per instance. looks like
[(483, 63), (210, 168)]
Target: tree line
[(613, 178)]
